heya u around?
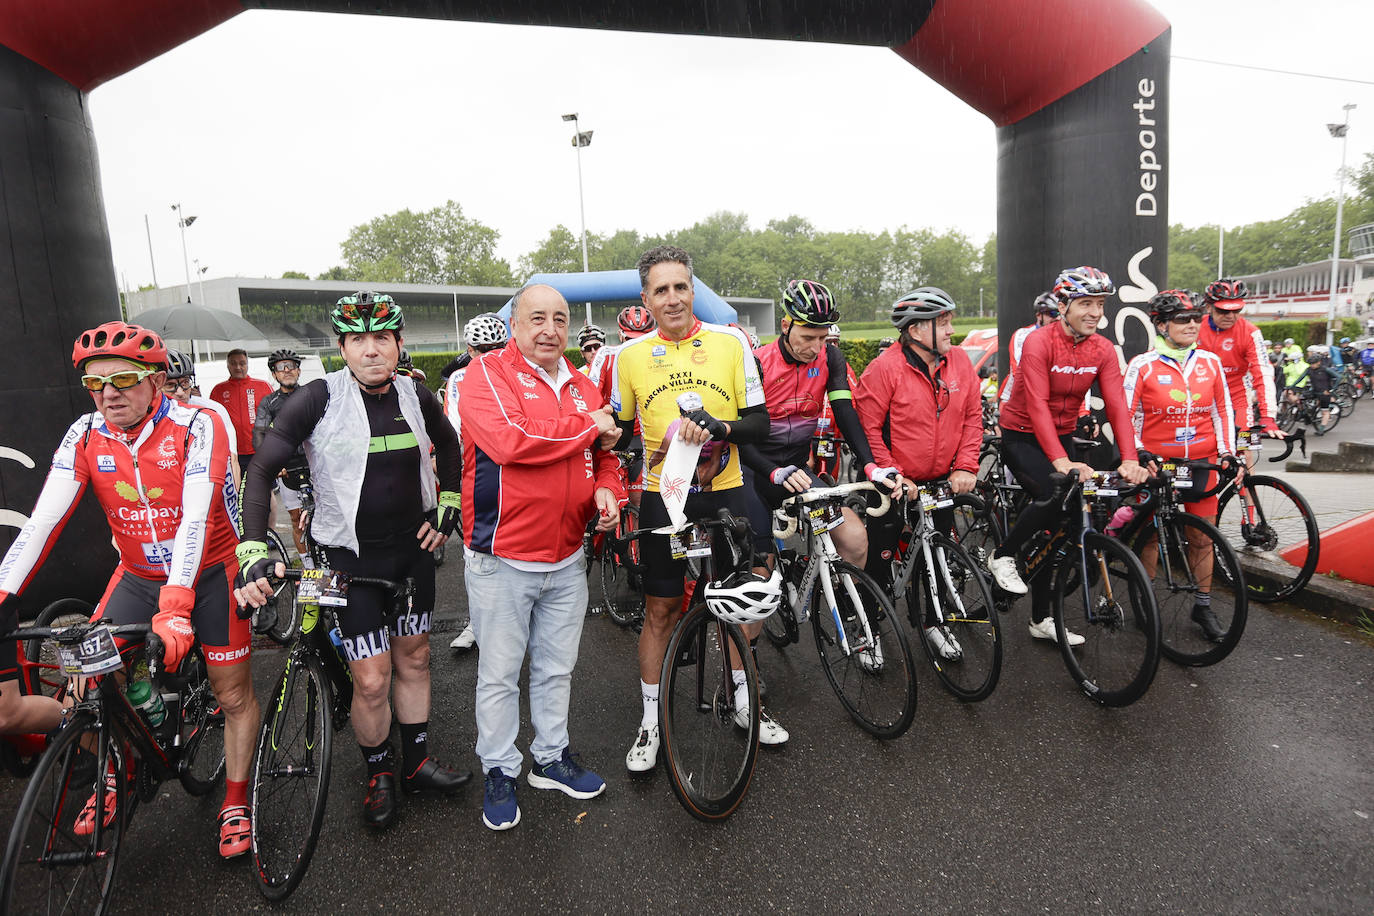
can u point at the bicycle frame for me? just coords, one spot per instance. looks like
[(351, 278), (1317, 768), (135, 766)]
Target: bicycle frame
[(929, 496)]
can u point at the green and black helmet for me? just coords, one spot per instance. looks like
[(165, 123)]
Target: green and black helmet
[(366, 311)]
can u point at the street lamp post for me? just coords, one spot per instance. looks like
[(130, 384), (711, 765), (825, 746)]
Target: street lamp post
[(200, 280), (580, 140), (1337, 130), (183, 221)]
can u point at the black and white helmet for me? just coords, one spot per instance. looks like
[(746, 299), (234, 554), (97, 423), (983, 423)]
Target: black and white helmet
[(924, 304), (179, 365), (485, 330), (744, 597)]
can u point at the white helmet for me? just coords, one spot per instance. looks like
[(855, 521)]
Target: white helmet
[(484, 330), (744, 597)]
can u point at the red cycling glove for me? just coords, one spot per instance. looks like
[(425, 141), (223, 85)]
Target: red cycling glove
[(172, 623)]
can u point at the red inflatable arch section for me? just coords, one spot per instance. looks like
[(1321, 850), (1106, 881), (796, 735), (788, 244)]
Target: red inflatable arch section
[(1078, 90)]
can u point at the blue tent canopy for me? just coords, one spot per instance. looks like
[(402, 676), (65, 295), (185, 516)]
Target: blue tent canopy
[(620, 285)]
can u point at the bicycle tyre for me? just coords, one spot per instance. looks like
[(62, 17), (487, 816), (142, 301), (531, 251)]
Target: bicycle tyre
[(43, 851), (623, 598), (1119, 656), (976, 528), (201, 730), (1287, 417), (977, 629), (876, 680), (710, 759), (284, 591), (1181, 639), (781, 626), (1285, 522), (291, 776), (1343, 396)]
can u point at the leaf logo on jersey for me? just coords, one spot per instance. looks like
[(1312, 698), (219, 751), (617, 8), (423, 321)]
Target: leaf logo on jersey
[(1181, 397), (129, 492)]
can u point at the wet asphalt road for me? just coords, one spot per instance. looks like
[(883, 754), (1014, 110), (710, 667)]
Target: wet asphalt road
[(1243, 788)]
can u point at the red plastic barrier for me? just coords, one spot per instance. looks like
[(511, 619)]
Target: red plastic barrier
[(1346, 550)]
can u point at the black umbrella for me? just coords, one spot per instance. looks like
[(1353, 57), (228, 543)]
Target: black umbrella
[(193, 322)]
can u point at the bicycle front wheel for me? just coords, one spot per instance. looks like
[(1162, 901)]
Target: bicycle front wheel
[(710, 754), (1271, 522), (864, 651), (1190, 558), (976, 528), (291, 776), (620, 585), (49, 867), (1114, 612), (969, 617), (202, 730)]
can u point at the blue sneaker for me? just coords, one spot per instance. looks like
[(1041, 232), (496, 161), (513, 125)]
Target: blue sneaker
[(500, 810), (567, 776)]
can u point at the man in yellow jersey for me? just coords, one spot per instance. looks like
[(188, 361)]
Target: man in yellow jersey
[(684, 355)]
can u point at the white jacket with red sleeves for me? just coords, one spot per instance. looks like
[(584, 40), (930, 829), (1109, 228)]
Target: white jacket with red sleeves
[(531, 465)]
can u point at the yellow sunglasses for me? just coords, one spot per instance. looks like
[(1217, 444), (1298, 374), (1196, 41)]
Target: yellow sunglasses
[(121, 380)]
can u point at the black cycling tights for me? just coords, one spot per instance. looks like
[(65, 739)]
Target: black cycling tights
[(1022, 455)]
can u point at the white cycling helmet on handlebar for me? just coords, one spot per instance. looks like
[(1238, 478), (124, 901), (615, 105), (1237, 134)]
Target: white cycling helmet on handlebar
[(744, 597)]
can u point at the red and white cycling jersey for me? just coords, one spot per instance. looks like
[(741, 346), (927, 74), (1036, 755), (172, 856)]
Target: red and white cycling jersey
[(1180, 409), (165, 488), (1249, 374)]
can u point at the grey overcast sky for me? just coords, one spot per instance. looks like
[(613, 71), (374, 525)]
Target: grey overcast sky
[(281, 131)]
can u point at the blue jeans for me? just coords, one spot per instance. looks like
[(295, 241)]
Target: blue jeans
[(514, 612)]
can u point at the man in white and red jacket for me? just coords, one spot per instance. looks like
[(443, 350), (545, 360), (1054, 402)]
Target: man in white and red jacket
[(534, 473)]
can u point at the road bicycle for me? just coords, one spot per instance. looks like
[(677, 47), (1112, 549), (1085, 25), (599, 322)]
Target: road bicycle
[(310, 702), (1266, 518), (1099, 588), (932, 568), (615, 557), (710, 757), (40, 673), (1301, 405), (1187, 556), (863, 646), (56, 860)]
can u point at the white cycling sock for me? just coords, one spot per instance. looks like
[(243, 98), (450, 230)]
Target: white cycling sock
[(741, 689), (649, 693)]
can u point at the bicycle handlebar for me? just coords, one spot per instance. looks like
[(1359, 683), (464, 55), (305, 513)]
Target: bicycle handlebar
[(820, 494)]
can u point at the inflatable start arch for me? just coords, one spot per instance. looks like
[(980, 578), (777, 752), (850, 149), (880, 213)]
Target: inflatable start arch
[(1078, 89)]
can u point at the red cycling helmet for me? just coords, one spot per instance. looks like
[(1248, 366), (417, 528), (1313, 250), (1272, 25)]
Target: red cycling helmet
[(117, 340), (1227, 294), (635, 320)]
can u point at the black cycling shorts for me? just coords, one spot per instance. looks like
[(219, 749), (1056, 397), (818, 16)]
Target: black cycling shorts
[(366, 622), (223, 636), (663, 576)]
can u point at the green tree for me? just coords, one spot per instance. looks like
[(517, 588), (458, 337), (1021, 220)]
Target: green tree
[(335, 273), (436, 246), (295, 275), (560, 252)]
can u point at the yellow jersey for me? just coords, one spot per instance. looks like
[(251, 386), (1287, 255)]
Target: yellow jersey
[(713, 361)]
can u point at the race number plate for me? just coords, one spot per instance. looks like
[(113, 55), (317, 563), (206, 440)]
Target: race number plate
[(96, 654), (1255, 440), (825, 448), (825, 516), (694, 542), (324, 587), (1183, 477)]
